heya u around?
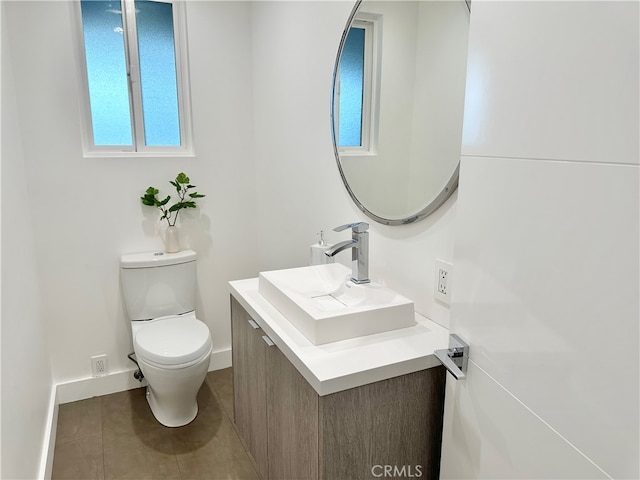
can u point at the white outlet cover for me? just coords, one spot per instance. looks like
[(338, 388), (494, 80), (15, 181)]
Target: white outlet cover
[(99, 367), (446, 269)]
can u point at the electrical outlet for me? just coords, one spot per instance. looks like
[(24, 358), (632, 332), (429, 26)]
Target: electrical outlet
[(99, 365), (444, 280)]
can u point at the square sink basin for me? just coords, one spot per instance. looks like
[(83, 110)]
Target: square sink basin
[(326, 306)]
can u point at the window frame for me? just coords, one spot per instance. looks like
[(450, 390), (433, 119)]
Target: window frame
[(372, 25), (138, 149)]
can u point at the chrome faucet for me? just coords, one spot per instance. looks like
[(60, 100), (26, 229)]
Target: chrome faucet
[(359, 244)]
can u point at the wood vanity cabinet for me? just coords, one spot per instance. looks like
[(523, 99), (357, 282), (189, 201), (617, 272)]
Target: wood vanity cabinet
[(293, 433)]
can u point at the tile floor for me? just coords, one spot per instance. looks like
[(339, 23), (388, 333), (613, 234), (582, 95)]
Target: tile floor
[(116, 437)]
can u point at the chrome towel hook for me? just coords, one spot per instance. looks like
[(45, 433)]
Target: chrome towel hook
[(456, 357)]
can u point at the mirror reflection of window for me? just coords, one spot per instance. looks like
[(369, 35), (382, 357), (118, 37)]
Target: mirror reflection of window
[(356, 93), (351, 89)]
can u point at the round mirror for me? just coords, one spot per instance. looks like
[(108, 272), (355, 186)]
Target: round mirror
[(398, 102)]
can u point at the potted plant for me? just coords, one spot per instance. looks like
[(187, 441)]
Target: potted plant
[(186, 199)]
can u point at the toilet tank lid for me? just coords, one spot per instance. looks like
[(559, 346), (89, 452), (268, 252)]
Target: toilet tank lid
[(156, 259)]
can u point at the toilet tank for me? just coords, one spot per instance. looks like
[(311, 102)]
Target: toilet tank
[(158, 284)]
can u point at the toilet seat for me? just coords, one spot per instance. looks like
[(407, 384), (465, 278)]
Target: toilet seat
[(173, 341)]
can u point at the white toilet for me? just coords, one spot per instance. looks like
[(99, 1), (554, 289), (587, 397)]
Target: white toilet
[(171, 345)]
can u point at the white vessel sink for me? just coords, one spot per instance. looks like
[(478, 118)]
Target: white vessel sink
[(325, 306)]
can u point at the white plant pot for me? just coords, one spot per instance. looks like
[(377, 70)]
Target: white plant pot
[(172, 240)]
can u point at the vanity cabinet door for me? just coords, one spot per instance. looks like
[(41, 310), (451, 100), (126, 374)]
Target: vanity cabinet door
[(292, 413), (250, 385), (393, 425)]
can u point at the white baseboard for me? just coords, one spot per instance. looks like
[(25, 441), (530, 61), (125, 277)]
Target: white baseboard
[(49, 442), (95, 386), (220, 359), (121, 381)]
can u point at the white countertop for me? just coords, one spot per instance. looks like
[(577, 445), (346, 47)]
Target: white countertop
[(338, 366)]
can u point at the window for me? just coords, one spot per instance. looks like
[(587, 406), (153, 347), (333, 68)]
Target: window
[(136, 81), (357, 93)]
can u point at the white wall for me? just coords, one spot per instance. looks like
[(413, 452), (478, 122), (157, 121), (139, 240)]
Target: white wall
[(26, 373), (299, 190), (86, 212), (546, 249)]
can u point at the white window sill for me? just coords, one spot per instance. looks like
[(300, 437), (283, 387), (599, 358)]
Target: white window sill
[(129, 154)]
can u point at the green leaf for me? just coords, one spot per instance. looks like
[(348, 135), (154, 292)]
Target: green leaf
[(175, 207), (191, 186), (196, 195), (189, 204), (164, 202), (152, 191), (175, 184), (148, 201), (182, 178)]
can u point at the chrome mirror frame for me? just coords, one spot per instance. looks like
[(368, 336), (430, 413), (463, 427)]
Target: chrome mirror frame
[(449, 187)]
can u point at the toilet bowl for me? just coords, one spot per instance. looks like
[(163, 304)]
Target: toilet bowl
[(173, 353)]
